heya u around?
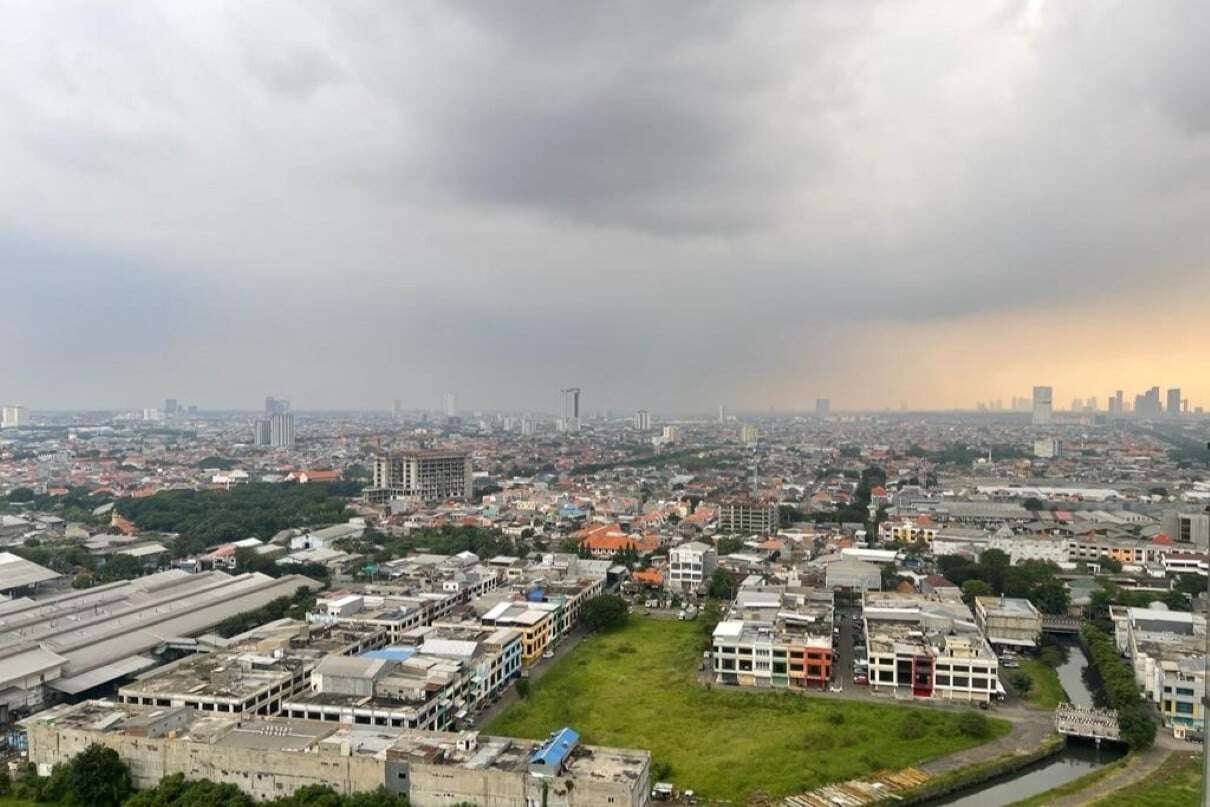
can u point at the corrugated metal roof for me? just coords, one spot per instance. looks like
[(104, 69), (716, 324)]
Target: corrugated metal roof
[(17, 572)]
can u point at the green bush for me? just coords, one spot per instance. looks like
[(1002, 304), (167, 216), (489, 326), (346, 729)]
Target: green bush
[(1118, 687), (975, 725)]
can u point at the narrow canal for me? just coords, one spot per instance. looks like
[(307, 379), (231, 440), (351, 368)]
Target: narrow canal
[(1073, 762)]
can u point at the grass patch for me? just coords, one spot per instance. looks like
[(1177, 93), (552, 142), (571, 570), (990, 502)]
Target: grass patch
[(1047, 690), (1075, 785), (1176, 783), (635, 688)]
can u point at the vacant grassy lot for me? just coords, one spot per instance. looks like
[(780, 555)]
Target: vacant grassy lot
[(1177, 783), (635, 688), (1046, 691)]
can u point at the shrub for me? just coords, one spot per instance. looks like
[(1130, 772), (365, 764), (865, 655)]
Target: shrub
[(974, 725)]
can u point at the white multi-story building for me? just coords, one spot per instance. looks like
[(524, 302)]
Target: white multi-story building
[(1009, 621), (12, 417), (928, 646), (281, 430), (1166, 650), (1020, 548), (1048, 448), (690, 566), (1043, 409)]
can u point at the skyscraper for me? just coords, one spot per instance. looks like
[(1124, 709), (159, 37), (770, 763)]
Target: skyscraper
[(260, 432), (171, 407), (450, 406), (823, 407), (571, 409), (722, 414), (642, 420), (396, 409), (12, 417), (1174, 402), (281, 430), (1043, 411), (274, 406)]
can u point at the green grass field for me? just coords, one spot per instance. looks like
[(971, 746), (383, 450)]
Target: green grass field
[(635, 688), (1177, 783), (1046, 691)]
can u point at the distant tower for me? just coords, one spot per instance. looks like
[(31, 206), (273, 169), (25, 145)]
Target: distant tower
[(1043, 409), (823, 407), (450, 406), (642, 420), (722, 414), (260, 432), (571, 409), (281, 430), (275, 406), (396, 409), (1174, 402)]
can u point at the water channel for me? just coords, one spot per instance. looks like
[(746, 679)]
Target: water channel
[(1074, 761)]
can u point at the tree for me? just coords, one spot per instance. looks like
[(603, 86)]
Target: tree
[(605, 612), (523, 688), (708, 619), (1111, 565), (720, 586), (975, 588), (1033, 504), (21, 495), (1022, 682), (120, 567), (99, 778), (1051, 597), (728, 545)]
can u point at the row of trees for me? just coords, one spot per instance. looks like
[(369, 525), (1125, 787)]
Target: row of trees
[(1116, 688)]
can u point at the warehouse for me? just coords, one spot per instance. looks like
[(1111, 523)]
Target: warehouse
[(272, 757), (77, 641)]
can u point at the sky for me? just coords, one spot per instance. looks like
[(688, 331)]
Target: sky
[(670, 205)]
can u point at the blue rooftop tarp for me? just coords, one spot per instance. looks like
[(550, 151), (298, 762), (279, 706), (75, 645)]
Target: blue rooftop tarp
[(391, 653), (552, 752)]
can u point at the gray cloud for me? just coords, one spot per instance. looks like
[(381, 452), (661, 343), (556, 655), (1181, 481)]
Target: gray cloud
[(654, 199)]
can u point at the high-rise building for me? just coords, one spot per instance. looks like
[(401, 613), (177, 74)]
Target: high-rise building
[(1043, 407), (12, 417), (396, 409), (171, 407), (260, 432), (642, 420), (1147, 405), (431, 476), (527, 426), (1116, 404), (450, 405), (1174, 402), (748, 434), (722, 414), (152, 415), (823, 407), (275, 406), (571, 409), (281, 430)]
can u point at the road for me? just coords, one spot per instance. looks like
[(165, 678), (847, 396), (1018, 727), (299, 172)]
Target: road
[(539, 669)]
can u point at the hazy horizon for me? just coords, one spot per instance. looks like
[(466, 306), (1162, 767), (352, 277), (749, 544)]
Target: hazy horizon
[(671, 206)]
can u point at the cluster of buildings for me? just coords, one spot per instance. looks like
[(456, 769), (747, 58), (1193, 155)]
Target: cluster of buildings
[(272, 757)]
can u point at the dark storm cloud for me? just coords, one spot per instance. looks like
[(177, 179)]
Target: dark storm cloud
[(657, 201)]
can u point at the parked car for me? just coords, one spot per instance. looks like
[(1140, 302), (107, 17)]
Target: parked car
[(861, 678)]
